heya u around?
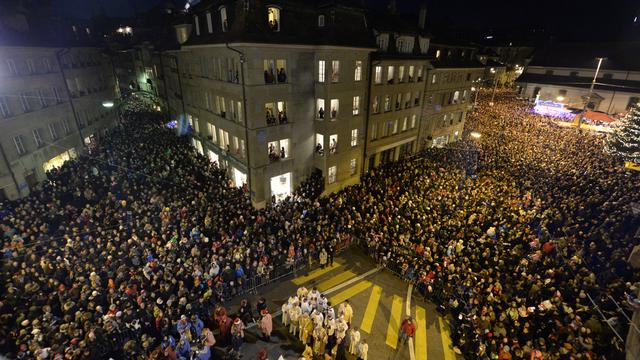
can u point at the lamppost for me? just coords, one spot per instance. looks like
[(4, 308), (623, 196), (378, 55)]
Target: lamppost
[(593, 83), (495, 85)]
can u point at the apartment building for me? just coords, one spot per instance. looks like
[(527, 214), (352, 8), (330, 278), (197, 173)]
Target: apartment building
[(451, 79), (396, 88), (274, 91)]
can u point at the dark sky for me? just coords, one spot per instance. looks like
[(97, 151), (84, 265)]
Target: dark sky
[(588, 19)]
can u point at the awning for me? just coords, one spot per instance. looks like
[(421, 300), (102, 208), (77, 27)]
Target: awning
[(598, 116)]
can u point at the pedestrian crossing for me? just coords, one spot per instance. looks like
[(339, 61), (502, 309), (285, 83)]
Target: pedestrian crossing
[(378, 313)]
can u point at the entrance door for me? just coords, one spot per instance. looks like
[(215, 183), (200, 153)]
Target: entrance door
[(31, 180)]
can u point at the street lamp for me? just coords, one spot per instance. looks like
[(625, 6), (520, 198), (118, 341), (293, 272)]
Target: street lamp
[(593, 84), (107, 103), (475, 135)]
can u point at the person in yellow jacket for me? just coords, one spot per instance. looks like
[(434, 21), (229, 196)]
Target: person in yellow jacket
[(294, 317), (308, 353), (348, 312), (305, 326), (319, 340)]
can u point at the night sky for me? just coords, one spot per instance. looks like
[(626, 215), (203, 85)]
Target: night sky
[(569, 19)]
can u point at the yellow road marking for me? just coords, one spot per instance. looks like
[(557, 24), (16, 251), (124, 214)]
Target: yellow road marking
[(350, 292), (421, 333), (447, 347), (315, 273), (394, 321), (372, 307), (342, 277)]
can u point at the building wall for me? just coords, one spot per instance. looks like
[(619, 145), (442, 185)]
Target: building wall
[(609, 102), (393, 132), (584, 72), (211, 76), (35, 110), (443, 116)]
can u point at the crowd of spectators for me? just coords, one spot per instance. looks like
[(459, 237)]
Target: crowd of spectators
[(124, 248)]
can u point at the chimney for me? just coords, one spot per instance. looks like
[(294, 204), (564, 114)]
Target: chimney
[(422, 16)]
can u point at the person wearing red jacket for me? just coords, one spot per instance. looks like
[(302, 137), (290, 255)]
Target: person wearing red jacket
[(407, 329)]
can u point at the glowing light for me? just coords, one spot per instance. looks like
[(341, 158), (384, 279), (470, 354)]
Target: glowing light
[(553, 109), (475, 135), (473, 88), (560, 98), (120, 30), (172, 124), (107, 103), (493, 70), (489, 37)]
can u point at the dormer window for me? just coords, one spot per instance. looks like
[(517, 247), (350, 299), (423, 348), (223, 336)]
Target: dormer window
[(224, 21), (197, 22), (273, 14), (320, 20)]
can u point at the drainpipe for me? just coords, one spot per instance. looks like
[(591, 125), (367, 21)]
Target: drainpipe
[(366, 114), (66, 86), (6, 162), (243, 60), (166, 89)]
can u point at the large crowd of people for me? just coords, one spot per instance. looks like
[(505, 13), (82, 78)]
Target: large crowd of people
[(129, 251)]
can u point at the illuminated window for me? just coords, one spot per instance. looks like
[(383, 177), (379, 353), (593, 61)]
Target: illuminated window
[(374, 131), (456, 97), (333, 143), (434, 79), (352, 166), (335, 71), (378, 75), (358, 71), (356, 105), (354, 137), (387, 103), (390, 74), (401, 74), (321, 70), (332, 174), (195, 18), (411, 72), (335, 108), (437, 54), (320, 20), (413, 121), (223, 18), (273, 14), (376, 105)]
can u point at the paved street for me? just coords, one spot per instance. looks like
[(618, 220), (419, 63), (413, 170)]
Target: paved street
[(379, 300)]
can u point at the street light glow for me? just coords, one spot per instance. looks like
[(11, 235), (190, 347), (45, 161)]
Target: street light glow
[(107, 103), (560, 98), (475, 135)]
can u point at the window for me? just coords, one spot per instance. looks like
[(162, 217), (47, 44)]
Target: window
[(420, 70), (387, 103), (56, 93), (356, 105), (47, 65), (17, 140), (332, 174), (36, 137), (224, 22), (197, 21), (321, 70), (352, 166), (4, 107), (212, 133), (333, 143), (65, 126), (401, 74), (438, 54), (243, 149), (52, 131), (413, 121), (320, 108), (407, 100), (416, 99), (335, 71), (335, 108), (24, 100), (378, 75), (388, 125), (395, 126), (358, 71), (236, 145), (275, 71), (209, 23), (354, 137), (404, 123), (320, 20), (273, 13), (376, 105), (411, 72), (239, 110), (11, 66), (434, 78), (456, 97), (607, 76), (30, 67), (42, 98), (374, 131), (390, 73)]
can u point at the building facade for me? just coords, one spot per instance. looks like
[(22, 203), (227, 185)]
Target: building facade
[(274, 91), (50, 109)]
